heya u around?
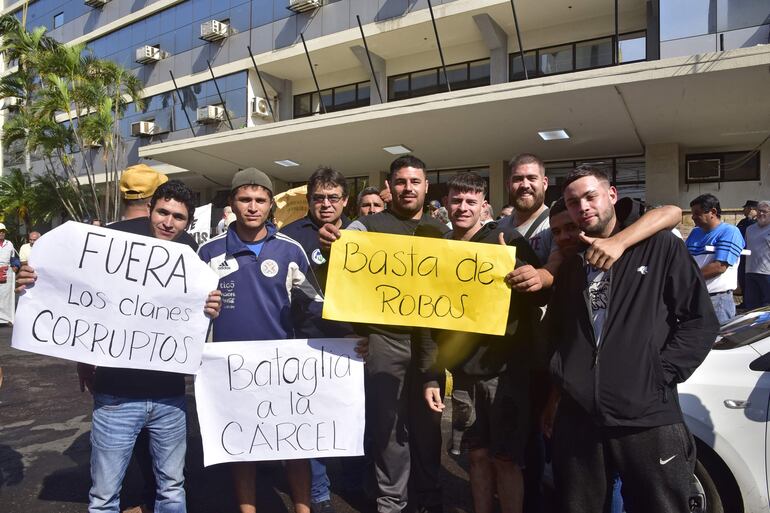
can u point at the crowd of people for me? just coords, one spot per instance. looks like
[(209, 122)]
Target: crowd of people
[(608, 312)]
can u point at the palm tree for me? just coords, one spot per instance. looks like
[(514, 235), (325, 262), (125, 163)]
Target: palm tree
[(66, 81), (17, 197)]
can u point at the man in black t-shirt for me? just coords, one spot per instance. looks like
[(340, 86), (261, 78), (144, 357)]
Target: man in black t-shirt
[(129, 400), (405, 436)]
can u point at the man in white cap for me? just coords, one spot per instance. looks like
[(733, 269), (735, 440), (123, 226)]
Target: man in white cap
[(9, 265)]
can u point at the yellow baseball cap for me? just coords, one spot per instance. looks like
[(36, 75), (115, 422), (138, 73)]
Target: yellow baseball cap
[(140, 182)]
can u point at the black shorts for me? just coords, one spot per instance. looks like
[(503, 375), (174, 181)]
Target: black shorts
[(492, 414)]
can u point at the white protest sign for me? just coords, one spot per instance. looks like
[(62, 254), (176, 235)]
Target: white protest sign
[(200, 227), (280, 400), (115, 299)]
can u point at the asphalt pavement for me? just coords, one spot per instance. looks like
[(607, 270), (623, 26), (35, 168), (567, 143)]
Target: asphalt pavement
[(45, 424)]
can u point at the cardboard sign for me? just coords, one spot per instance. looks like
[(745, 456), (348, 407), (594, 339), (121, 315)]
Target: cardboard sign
[(416, 281), (115, 299), (280, 400), (290, 206), (200, 227)]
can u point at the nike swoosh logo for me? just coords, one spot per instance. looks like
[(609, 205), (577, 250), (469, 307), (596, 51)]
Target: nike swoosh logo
[(663, 462)]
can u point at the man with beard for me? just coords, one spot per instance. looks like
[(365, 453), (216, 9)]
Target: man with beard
[(622, 339), (397, 421)]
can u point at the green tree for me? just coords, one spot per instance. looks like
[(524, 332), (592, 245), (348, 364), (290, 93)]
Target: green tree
[(70, 102)]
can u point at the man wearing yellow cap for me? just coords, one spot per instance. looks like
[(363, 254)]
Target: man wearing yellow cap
[(137, 185)]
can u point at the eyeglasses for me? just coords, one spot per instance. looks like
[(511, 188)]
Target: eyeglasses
[(763, 212), (320, 198)]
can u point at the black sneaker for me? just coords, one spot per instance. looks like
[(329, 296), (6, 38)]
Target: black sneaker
[(322, 507)]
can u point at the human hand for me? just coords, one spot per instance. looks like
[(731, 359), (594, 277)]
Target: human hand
[(602, 253), (432, 396), (525, 279), (327, 235), (25, 278), (213, 304)]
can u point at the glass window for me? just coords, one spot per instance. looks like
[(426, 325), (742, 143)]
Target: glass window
[(398, 87), (738, 14), (58, 20), (364, 92), (424, 82), (479, 74), (686, 18), (530, 61), (458, 76), (556, 59), (633, 47), (345, 97), (593, 54), (740, 166)]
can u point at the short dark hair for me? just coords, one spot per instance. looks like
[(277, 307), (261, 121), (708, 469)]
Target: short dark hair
[(367, 192), (175, 190), (468, 181), (525, 158), (557, 207), (585, 171), (706, 202), (405, 161), (327, 177)]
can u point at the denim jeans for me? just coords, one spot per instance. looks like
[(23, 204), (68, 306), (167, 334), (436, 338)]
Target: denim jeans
[(319, 481), (116, 424), (724, 306)]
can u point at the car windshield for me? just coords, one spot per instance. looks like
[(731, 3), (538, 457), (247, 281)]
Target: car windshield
[(745, 329)]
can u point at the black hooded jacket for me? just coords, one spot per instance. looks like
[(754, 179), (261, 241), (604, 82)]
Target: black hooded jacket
[(659, 327)]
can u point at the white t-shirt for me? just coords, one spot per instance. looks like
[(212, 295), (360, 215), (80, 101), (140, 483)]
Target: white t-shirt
[(599, 298), (541, 239)]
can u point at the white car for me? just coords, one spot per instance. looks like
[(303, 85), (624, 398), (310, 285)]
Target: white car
[(725, 405)]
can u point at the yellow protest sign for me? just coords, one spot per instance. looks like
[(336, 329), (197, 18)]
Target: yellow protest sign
[(398, 280), (290, 206)]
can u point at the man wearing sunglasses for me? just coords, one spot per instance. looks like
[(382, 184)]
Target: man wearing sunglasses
[(327, 197)]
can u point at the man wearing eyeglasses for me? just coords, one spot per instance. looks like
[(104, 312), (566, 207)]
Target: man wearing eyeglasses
[(327, 197)]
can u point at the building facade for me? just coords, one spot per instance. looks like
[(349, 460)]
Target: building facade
[(669, 96)]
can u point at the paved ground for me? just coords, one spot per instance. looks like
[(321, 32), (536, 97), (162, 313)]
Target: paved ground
[(44, 450)]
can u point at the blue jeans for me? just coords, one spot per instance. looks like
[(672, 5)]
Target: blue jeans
[(757, 290), (116, 424), (724, 306), (319, 481)]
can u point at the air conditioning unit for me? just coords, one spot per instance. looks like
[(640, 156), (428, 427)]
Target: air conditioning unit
[(214, 30), (141, 128), (147, 54), (210, 114), (96, 3), (703, 170), (303, 5), (259, 107)]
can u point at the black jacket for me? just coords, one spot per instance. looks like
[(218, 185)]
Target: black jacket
[(659, 327), (481, 355)]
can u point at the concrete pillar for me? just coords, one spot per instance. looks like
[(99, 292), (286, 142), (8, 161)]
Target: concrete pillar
[(497, 41), (498, 194), (377, 179), (283, 89), (662, 174), (378, 63)]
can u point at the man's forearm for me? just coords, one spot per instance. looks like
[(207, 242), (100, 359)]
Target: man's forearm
[(666, 217), (713, 269)]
